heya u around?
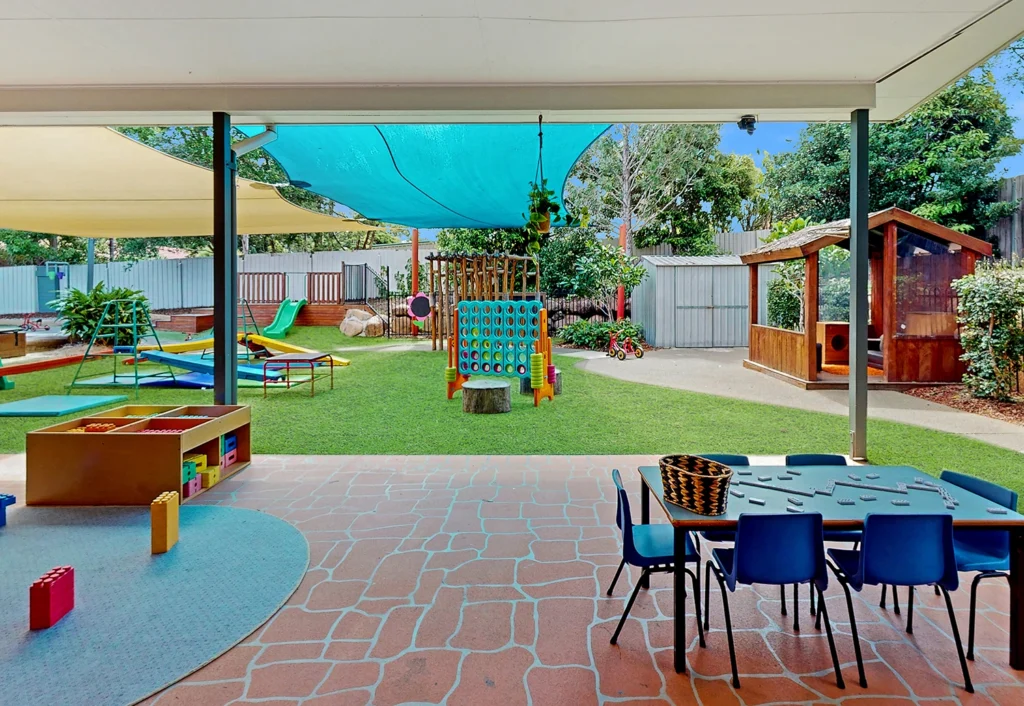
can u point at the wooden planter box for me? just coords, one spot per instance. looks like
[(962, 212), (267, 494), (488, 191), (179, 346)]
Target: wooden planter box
[(123, 466)]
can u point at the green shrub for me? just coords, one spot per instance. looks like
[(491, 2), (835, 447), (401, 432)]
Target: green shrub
[(596, 335), (990, 305), (784, 305), (80, 313)]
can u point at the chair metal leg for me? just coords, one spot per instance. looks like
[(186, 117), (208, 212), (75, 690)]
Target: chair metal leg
[(856, 638), (796, 607), (629, 606), (910, 610), (707, 596), (782, 593), (937, 591), (974, 604), (821, 607), (881, 603), (615, 580), (812, 600), (895, 601), (959, 647), (695, 578), (831, 641), (728, 628)]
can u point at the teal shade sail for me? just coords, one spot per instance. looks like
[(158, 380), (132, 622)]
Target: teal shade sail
[(430, 176)]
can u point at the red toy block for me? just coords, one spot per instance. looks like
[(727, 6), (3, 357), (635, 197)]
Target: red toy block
[(51, 597)]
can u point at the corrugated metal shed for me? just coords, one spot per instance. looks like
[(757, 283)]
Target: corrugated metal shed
[(696, 302)]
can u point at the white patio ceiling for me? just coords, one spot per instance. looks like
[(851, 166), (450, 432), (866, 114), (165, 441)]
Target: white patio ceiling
[(143, 61)]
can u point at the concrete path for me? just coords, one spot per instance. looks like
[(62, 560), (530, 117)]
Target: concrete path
[(720, 371)]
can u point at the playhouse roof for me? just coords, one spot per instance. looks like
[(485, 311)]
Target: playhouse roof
[(813, 238)]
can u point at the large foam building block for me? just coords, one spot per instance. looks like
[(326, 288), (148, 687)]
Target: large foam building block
[(163, 520), (51, 597), (228, 442), (5, 500), (210, 476), (192, 487), (229, 458), (188, 470), (198, 459)]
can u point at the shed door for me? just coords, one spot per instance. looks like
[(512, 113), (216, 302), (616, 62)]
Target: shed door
[(730, 312), (694, 300), (711, 307)]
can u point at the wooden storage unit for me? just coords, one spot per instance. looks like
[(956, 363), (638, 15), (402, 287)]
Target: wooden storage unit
[(124, 466)]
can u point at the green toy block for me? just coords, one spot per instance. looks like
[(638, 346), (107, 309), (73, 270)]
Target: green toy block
[(188, 471)]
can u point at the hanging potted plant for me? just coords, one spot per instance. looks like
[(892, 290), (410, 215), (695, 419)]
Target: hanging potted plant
[(543, 209)]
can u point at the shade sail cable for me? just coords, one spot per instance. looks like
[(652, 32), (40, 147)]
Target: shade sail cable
[(398, 170)]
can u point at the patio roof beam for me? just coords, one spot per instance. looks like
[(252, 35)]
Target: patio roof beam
[(859, 269), (225, 264)]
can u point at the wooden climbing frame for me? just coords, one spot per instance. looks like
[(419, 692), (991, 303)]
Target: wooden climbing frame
[(456, 278)]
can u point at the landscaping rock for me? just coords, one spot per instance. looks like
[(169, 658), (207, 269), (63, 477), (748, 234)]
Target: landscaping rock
[(358, 315), (352, 327), (374, 327)]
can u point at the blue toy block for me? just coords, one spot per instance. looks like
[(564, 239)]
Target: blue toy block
[(230, 443), (5, 500)]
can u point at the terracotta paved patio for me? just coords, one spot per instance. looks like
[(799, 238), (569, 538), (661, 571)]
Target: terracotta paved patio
[(480, 580)]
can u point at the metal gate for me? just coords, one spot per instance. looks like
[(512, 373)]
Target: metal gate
[(711, 307)]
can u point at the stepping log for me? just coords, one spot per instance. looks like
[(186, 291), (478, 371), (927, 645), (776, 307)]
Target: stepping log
[(525, 389), (486, 397)]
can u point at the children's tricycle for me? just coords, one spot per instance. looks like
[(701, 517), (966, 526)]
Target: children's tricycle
[(620, 351)]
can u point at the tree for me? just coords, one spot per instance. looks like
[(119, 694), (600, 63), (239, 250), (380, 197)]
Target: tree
[(558, 259), (665, 183), (938, 161), (476, 241), (601, 271), (18, 247)]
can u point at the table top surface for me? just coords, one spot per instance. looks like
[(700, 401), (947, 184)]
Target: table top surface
[(310, 357), (821, 488)]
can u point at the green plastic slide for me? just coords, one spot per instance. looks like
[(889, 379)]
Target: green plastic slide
[(284, 319)]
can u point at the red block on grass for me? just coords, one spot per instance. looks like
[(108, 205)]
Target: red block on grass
[(51, 597)]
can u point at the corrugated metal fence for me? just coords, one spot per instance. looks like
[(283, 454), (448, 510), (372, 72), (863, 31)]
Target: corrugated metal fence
[(728, 244), (182, 284)]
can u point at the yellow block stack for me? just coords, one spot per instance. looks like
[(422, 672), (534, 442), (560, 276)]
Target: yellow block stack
[(163, 516), (210, 476)]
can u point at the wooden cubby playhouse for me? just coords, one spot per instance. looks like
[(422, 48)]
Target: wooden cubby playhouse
[(122, 466)]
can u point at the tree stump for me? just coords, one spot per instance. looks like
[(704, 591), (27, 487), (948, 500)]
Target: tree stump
[(486, 397), (525, 389)]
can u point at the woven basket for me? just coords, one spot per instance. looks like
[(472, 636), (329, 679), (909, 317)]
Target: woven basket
[(695, 483)]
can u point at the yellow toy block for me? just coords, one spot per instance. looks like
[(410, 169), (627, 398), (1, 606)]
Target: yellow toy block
[(163, 517), (198, 459), (211, 476)]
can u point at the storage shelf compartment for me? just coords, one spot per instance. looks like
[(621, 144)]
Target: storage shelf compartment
[(138, 411), (66, 427)]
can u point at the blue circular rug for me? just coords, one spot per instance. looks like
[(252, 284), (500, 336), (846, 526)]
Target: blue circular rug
[(141, 621)]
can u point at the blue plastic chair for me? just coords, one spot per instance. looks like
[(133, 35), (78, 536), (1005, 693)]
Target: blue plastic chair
[(774, 550), (728, 460), (815, 460), (901, 550), (984, 551), (651, 548)]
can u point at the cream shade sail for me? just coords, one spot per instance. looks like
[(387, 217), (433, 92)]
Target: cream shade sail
[(96, 183)]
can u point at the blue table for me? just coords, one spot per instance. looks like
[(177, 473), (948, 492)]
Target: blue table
[(820, 489)]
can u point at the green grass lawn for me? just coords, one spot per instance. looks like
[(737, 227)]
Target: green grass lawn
[(394, 403)]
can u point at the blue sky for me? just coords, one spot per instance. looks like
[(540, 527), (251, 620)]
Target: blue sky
[(781, 137)]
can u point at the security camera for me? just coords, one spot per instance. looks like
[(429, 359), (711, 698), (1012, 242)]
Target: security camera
[(748, 123)]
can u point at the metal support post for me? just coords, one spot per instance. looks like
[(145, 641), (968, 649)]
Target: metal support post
[(859, 270), (225, 265)]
